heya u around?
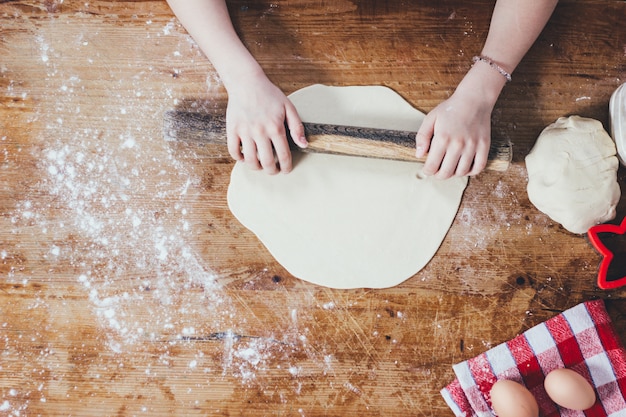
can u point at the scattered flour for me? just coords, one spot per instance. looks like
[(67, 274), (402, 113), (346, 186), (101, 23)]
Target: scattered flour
[(117, 207)]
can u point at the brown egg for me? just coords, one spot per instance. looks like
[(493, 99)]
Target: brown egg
[(511, 399), (569, 389)]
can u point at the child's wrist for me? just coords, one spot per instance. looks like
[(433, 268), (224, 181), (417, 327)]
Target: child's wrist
[(485, 60), (242, 78), (484, 82)]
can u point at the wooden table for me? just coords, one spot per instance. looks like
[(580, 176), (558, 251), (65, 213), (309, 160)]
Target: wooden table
[(128, 288)]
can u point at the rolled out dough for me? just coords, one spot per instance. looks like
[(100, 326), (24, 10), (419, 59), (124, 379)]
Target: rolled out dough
[(572, 173), (347, 222)]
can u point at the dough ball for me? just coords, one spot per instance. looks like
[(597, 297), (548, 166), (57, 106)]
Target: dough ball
[(572, 173)]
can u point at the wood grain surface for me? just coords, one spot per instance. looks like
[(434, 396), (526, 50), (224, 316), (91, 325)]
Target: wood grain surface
[(127, 287)]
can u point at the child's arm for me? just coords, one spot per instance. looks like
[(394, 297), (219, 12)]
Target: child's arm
[(460, 127), (257, 109)]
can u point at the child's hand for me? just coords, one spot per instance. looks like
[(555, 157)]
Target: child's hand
[(255, 124), (460, 129), (457, 133)]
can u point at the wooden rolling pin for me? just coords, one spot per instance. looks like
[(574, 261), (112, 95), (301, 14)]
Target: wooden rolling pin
[(323, 138)]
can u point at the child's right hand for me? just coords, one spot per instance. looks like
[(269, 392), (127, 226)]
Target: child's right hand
[(256, 117)]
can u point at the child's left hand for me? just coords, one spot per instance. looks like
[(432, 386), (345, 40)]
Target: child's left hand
[(456, 134), (461, 134)]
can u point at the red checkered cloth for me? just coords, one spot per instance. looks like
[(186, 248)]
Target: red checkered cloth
[(581, 338)]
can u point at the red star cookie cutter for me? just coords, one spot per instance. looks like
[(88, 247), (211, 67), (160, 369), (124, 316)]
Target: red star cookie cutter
[(612, 270)]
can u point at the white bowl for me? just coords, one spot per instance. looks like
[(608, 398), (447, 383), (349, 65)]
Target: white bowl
[(617, 118)]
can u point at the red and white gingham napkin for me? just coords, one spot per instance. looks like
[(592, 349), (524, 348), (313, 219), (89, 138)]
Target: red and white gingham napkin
[(581, 338)]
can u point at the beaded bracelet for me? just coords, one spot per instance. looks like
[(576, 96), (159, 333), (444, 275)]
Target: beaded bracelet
[(493, 65)]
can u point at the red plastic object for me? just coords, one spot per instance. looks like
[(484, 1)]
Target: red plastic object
[(607, 254)]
